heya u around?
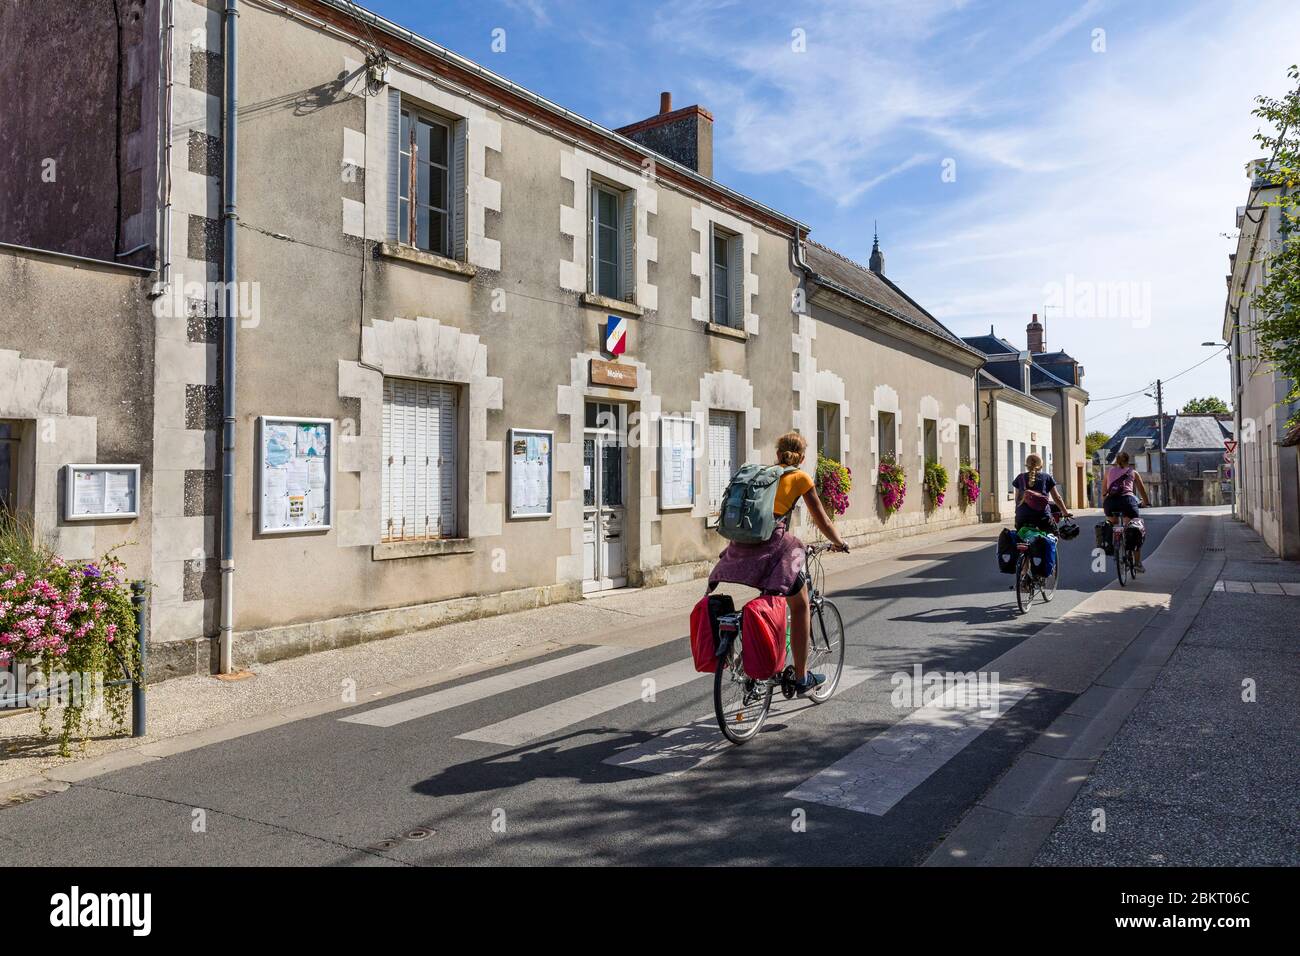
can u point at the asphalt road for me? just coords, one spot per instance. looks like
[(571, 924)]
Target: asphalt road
[(530, 767)]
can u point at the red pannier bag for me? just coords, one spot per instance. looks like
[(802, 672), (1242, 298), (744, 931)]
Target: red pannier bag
[(762, 636), (704, 630)]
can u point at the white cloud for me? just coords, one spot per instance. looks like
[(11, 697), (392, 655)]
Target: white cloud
[(1122, 166)]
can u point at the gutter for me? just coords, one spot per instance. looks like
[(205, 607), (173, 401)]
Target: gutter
[(229, 274)]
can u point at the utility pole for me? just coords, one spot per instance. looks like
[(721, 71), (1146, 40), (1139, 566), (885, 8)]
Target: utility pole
[(1160, 436)]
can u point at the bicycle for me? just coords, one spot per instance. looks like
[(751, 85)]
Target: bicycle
[(1028, 583), (1125, 566), (742, 703)]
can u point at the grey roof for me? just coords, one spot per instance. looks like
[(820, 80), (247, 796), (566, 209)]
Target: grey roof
[(991, 344), (873, 289), (1040, 377), (1195, 432), (1135, 445)]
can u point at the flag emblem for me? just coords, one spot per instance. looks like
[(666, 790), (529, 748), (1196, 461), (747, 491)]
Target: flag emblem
[(616, 335)]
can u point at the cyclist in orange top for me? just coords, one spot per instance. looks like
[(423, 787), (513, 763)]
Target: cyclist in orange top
[(776, 566)]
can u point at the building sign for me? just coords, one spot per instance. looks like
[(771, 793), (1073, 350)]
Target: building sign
[(295, 468), (530, 473), (616, 335), (100, 492), (613, 373), (676, 463)]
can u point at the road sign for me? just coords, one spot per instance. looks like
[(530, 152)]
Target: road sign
[(1230, 445), (1228, 457)]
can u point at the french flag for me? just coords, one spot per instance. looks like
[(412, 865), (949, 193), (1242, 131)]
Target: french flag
[(616, 335)]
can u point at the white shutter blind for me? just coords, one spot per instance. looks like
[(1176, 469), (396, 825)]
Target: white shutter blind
[(445, 516), (459, 188), (419, 467), (394, 161), (736, 277), (627, 247), (722, 454)]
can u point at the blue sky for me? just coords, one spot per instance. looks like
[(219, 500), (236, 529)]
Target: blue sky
[(1078, 154)]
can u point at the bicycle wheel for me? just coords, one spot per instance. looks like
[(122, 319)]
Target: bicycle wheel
[(826, 655), (1024, 583), (1121, 561), (740, 703), (1048, 585)]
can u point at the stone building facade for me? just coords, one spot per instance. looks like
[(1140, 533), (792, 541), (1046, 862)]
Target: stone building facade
[(521, 353)]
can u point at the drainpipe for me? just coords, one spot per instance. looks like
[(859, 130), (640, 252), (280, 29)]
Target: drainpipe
[(229, 276), (975, 460)]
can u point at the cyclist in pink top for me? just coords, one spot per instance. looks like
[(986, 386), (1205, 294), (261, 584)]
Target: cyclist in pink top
[(1120, 501)]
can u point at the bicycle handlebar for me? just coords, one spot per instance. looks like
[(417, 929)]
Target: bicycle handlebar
[(815, 549)]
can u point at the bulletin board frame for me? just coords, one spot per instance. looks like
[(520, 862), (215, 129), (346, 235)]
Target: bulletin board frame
[(515, 507), (69, 492), (262, 467), (665, 452)]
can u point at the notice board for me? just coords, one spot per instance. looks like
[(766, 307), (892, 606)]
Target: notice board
[(531, 472), (296, 472), (101, 492), (676, 463)]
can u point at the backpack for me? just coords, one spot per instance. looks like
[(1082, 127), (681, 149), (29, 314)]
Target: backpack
[(704, 630), (762, 636), (1116, 487), (748, 503), (1007, 551)]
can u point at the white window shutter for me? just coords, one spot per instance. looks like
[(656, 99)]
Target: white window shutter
[(459, 188), (627, 247), (394, 162), (593, 228), (722, 454), (419, 467), (446, 521), (386, 470), (736, 276)]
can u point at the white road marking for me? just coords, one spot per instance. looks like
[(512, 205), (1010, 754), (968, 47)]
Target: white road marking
[(884, 770), (685, 748), (457, 694), (564, 713)]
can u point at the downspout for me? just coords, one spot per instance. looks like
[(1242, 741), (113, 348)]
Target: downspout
[(229, 276), (169, 29), (979, 432)]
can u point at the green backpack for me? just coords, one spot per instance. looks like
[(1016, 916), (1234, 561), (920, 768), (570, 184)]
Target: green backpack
[(748, 503)]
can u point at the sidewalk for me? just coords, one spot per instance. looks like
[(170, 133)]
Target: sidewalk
[(1198, 776), (190, 712)]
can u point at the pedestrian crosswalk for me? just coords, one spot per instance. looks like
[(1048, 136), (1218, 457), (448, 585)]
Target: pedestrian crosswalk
[(884, 770), (872, 779), (685, 748), (547, 720), (458, 694)]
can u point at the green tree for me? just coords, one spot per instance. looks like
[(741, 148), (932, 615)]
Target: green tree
[(1094, 441), (1210, 405), (1277, 300)]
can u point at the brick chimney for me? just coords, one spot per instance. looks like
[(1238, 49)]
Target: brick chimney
[(684, 136), (1034, 333)]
